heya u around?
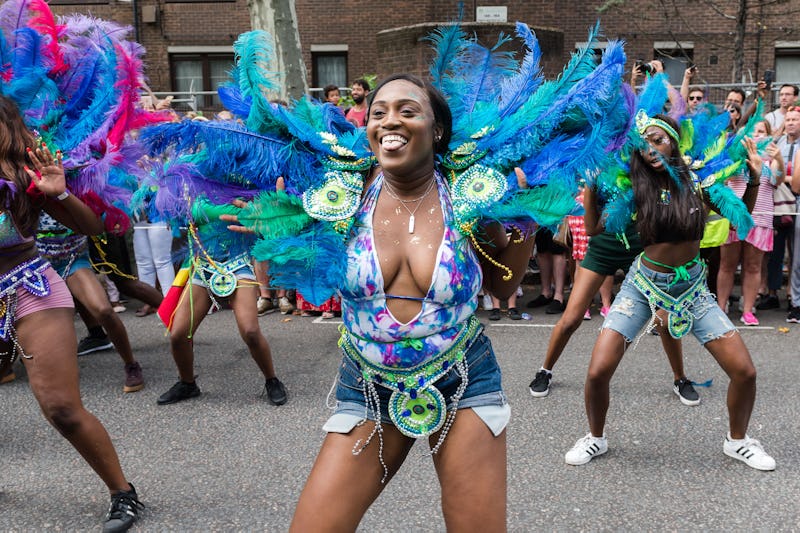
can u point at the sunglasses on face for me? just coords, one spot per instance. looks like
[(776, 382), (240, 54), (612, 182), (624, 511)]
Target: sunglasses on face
[(695, 98)]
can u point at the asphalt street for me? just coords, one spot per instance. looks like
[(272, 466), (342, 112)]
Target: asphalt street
[(230, 461)]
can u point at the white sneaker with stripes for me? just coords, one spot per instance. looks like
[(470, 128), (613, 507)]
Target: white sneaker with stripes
[(749, 451), (586, 449)]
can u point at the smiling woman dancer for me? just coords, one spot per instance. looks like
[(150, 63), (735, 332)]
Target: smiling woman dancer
[(667, 282), (394, 219), (37, 306), (413, 276)]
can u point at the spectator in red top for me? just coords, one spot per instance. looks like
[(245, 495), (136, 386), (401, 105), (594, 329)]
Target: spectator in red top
[(358, 113)]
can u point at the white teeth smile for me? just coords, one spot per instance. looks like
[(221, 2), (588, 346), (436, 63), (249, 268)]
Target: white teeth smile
[(393, 142)]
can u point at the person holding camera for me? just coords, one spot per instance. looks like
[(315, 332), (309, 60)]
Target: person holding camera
[(693, 96), (651, 68)]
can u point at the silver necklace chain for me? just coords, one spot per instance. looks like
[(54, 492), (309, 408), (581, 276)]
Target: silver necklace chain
[(411, 218)]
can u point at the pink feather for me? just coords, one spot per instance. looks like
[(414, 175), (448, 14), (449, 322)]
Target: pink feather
[(43, 21)]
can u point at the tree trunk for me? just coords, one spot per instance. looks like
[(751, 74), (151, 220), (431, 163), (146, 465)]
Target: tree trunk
[(279, 19), (738, 42)]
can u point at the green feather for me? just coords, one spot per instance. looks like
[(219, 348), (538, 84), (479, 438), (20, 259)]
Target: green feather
[(687, 137), (275, 214), (717, 147)]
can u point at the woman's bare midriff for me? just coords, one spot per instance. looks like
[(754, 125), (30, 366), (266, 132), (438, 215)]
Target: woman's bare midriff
[(670, 253)]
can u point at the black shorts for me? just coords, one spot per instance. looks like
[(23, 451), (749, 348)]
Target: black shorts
[(607, 253), (546, 245)]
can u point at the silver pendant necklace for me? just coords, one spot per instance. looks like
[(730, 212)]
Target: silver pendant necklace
[(411, 213)]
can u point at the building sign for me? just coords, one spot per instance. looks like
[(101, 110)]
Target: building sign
[(491, 14)]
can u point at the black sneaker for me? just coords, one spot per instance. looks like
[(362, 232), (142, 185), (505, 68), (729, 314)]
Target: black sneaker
[(275, 391), (123, 512), (93, 344), (540, 386), (769, 302), (539, 301), (514, 314), (794, 315), (685, 391), (179, 392), (494, 314), (556, 307)]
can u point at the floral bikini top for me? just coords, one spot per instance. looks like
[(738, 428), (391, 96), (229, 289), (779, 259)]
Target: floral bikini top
[(449, 302)]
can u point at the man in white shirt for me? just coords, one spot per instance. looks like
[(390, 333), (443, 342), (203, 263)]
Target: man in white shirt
[(787, 97)]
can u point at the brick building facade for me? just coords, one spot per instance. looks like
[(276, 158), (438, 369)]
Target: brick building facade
[(189, 43)]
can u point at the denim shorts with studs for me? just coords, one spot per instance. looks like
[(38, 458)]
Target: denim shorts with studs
[(484, 392), (631, 311)]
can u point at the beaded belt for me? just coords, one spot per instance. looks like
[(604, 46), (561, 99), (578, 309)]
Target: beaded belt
[(220, 277), (416, 407), (680, 317), (28, 275)]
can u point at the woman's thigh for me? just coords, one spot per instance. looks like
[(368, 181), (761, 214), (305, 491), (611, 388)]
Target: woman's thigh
[(87, 290), (729, 255), (192, 308), (48, 339), (471, 465), (342, 485)]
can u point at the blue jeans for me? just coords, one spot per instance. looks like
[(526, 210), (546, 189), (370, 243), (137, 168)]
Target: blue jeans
[(484, 388), (631, 311), (67, 267)]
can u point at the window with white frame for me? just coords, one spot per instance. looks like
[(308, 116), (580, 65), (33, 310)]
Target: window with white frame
[(329, 65), (200, 72), (676, 56)]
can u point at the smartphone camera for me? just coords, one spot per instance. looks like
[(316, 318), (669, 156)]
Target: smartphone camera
[(769, 77), (645, 67)]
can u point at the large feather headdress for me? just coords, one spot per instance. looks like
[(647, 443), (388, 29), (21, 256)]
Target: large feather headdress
[(76, 81)]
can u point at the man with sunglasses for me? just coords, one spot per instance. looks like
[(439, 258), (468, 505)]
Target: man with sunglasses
[(695, 98)]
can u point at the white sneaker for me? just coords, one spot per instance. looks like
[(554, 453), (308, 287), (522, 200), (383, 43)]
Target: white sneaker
[(285, 305), (749, 451), (586, 449), (487, 302)]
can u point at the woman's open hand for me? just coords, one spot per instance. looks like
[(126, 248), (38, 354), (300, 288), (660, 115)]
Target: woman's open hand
[(235, 225), (48, 170)]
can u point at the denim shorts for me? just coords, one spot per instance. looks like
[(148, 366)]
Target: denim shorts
[(630, 311), (242, 271), (67, 267), (484, 392)]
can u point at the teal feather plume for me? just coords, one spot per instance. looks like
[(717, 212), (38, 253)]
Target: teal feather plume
[(448, 42), (314, 262), (275, 215), (517, 88), (254, 52), (731, 207)]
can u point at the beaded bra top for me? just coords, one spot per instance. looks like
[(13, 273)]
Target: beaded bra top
[(450, 300), (9, 233)]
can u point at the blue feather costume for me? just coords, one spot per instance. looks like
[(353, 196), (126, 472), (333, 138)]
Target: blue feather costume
[(711, 154), (505, 115), (76, 83)]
